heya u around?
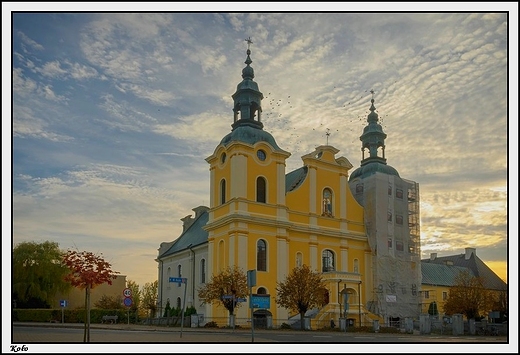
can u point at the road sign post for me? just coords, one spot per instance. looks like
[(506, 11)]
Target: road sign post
[(251, 281), (63, 304), (127, 292), (185, 282)]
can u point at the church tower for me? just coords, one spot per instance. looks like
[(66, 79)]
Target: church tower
[(392, 218), (247, 187)]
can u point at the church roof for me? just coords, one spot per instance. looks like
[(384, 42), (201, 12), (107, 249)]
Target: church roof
[(295, 178), (371, 168), (250, 135), (477, 267), (440, 275), (194, 235)]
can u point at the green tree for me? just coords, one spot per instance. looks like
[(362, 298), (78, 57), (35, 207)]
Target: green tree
[(136, 297), (149, 294), (86, 271), (301, 290), (432, 309), (232, 281), (167, 309), (38, 274), (468, 296), (110, 302)]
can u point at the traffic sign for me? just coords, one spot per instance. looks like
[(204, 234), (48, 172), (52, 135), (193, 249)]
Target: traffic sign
[(63, 303), (127, 292), (178, 279), (227, 297), (241, 300), (127, 301)]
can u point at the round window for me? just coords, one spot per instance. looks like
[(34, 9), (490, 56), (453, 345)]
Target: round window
[(260, 154)]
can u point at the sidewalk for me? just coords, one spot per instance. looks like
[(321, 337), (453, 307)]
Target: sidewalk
[(123, 326)]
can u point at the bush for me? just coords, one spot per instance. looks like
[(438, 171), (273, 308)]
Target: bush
[(189, 311), (285, 326), (211, 325)]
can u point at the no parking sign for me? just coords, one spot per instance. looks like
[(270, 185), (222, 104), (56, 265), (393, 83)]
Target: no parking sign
[(128, 297)]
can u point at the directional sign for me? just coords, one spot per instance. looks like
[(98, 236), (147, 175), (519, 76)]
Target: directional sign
[(178, 279), (127, 301), (227, 297), (127, 292), (241, 300), (63, 303)]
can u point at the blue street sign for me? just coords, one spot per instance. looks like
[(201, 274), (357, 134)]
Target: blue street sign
[(227, 297), (178, 279), (63, 303), (127, 301), (241, 300)]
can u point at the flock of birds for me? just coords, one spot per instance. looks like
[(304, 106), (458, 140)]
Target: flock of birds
[(276, 111)]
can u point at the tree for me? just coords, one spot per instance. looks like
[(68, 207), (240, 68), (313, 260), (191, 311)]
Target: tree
[(301, 290), (167, 309), (500, 304), (87, 271), (468, 296), (432, 309), (38, 274), (110, 302), (136, 296), (149, 297), (231, 281)]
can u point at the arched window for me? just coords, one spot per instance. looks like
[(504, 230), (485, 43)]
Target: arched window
[(203, 271), (222, 191), (178, 302), (299, 259), (179, 274), (356, 265), (328, 260), (261, 255), (169, 274), (260, 189), (261, 291), (327, 203), (221, 255)]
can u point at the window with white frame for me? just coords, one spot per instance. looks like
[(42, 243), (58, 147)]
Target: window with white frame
[(327, 260), (299, 259)]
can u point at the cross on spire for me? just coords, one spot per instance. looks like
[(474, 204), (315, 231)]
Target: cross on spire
[(327, 134), (249, 42), (372, 92)]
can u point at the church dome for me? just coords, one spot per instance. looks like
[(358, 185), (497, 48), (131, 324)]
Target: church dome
[(250, 135), (372, 168)]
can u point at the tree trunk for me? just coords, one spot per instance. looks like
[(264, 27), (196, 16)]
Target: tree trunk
[(88, 314), (302, 320), (85, 318)]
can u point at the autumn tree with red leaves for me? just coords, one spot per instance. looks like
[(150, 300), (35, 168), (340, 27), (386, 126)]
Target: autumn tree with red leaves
[(87, 270)]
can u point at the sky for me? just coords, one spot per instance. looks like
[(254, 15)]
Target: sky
[(113, 114)]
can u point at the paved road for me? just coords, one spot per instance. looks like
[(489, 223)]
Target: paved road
[(132, 338)]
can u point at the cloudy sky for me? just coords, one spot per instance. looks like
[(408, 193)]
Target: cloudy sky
[(113, 116)]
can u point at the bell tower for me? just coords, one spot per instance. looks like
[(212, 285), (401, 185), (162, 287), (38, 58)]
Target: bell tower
[(247, 182)]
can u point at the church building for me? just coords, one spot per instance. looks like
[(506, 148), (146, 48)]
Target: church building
[(359, 229)]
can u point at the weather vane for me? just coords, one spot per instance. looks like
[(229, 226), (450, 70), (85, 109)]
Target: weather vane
[(327, 134), (249, 42)]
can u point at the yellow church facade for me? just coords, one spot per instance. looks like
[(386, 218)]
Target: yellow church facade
[(262, 219)]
